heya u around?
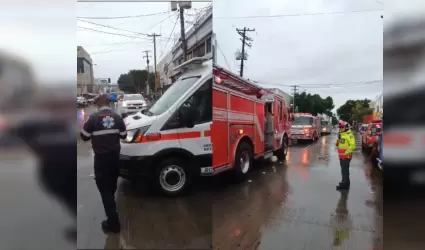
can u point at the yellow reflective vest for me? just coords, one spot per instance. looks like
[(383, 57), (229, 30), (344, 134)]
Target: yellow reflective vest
[(346, 144)]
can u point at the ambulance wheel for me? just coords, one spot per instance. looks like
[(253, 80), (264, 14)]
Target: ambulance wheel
[(173, 176), (243, 159), (283, 150)]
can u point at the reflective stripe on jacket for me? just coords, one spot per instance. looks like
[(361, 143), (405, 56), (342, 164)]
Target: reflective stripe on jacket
[(346, 144)]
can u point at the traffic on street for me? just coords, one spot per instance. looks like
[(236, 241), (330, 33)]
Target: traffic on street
[(278, 203)]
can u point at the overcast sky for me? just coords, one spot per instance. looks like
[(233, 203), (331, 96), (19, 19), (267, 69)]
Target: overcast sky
[(320, 53), (115, 54)]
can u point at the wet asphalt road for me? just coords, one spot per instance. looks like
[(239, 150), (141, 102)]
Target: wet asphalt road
[(292, 205)]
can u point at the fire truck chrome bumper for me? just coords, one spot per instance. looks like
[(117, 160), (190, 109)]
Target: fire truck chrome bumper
[(300, 137)]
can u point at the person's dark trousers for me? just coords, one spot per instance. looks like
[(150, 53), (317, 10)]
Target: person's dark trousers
[(106, 174), (345, 171)]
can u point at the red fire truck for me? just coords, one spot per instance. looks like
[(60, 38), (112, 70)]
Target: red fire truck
[(305, 126), (249, 122)]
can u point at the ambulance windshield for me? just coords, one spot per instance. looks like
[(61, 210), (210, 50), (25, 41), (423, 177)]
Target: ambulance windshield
[(172, 94), (302, 120)]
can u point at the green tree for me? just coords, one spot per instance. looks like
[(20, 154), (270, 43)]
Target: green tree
[(354, 110), (125, 83), (314, 104), (134, 81), (139, 79)]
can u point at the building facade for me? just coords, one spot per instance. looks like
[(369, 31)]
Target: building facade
[(85, 76), (200, 43)]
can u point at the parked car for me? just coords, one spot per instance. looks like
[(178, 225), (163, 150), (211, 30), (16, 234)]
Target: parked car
[(81, 102), (371, 134), (133, 103)]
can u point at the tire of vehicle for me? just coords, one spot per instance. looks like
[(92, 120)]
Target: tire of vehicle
[(173, 177), (283, 150), (243, 160)]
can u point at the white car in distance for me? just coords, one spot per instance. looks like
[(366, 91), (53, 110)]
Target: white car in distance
[(132, 103)]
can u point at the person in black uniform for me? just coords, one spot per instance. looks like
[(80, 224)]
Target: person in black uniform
[(105, 128)]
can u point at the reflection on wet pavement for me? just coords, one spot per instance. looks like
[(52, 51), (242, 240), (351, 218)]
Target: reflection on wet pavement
[(291, 205), (297, 207)]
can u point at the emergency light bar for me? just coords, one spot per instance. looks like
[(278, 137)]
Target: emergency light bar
[(192, 63)]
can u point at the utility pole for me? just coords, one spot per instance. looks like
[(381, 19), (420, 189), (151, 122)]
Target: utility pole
[(245, 41), (154, 35), (294, 89), (183, 35), (147, 56)]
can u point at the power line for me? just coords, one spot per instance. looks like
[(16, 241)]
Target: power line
[(169, 37), (123, 17), (115, 47), (110, 27), (299, 14), (110, 33), (135, 16), (107, 51), (346, 85), (225, 59), (325, 87)]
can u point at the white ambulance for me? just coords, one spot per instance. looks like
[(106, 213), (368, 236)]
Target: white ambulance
[(170, 143)]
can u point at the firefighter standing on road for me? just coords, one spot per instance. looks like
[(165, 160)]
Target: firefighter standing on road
[(346, 144), (105, 128)]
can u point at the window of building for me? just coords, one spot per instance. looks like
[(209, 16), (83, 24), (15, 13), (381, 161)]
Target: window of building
[(209, 45), (199, 51), (180, 61), (80, 65), (189, 55)]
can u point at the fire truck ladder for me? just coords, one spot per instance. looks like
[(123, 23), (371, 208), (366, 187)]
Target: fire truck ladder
[(235, 82)]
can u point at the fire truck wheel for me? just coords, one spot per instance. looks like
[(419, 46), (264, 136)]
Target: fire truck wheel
[(173, 176), (283, 150), (243, 159)]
